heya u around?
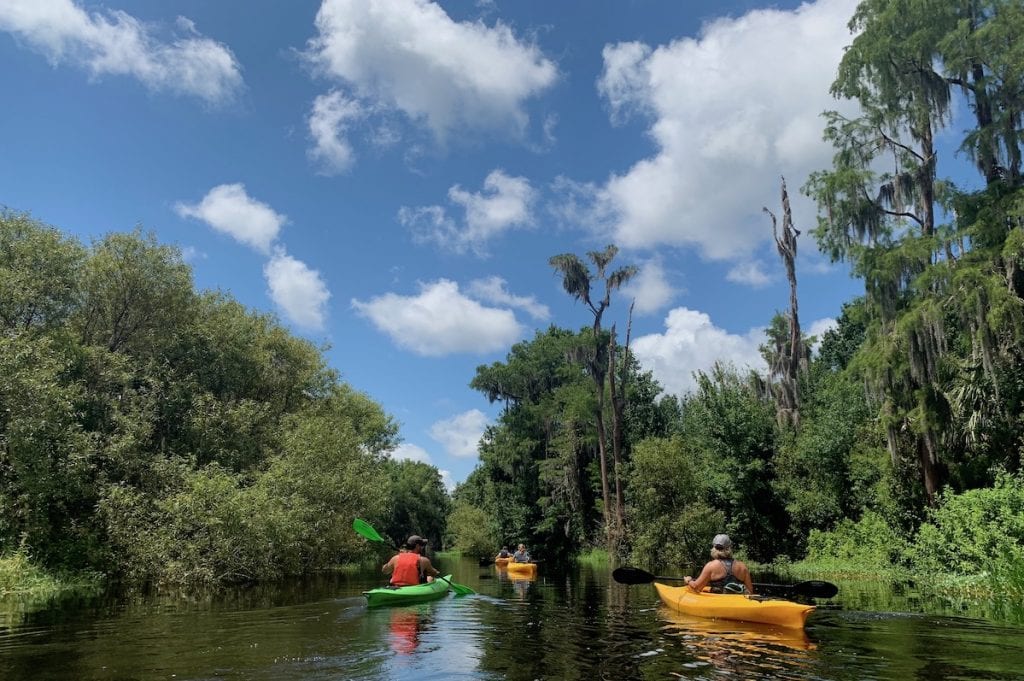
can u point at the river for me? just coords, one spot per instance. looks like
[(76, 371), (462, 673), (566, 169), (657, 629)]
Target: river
[(575, 624)]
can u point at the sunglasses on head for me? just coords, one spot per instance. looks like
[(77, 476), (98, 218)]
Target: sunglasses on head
[(719, 547)]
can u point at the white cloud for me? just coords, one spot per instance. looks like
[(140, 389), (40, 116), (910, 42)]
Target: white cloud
[(228, 209), (818, 329), (624, 80), (447, 480), (441, 321), (494, 290), (691, 342), (738, 104), (328, 122), (410, 452), (461, 433), (297, 290), (116, 43), (410, 56), (191, 254), (749, 272), (505, 203), (650, 288)]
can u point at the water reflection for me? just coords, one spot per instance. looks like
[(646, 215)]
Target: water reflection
[(404, 634), (574, 624)]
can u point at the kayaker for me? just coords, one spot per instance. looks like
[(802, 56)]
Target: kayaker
[(410, 566), (723, 573), (504, 553), (521, 555)]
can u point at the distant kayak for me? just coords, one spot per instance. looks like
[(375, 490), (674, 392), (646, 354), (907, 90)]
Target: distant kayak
[(404, 595), (502, 562), (528, 569), (779, 612)]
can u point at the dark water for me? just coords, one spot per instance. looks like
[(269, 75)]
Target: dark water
[(564, 625)]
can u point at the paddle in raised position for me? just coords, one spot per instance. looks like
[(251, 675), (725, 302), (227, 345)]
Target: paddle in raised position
[(365, 529)]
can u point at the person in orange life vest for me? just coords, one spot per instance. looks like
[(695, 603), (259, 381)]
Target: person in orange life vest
[(723, 573), (410, 566)]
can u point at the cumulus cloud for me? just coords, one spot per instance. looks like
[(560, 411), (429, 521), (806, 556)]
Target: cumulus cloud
[(298, 290), (410, 57), (447, 480), (690, 343), (738, 104), (505, 203), (460, 434), (329, 120), (819, 328), (229, 209), (749, 272), (410, 452), (440, 320), (495, 290), (116, 43), (650, 288)]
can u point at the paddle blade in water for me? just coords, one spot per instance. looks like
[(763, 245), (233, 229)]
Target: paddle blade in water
[(365, 529), (632, 575), (816, 589), (459, 589)]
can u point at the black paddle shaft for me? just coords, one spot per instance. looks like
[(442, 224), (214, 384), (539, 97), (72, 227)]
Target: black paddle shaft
[(812, 588)]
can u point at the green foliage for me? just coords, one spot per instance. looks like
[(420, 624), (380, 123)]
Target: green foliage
[(39, 274), (470, 531), (978, 531), (159, 434), (672, 522), (869, 543), (418, 502), (730, 424)]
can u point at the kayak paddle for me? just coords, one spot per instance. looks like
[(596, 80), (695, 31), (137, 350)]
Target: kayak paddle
[(812, 588), (365, 529)]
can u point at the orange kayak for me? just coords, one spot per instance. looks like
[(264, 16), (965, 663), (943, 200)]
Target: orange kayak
[(526, 569), (734, 606), (502, 562)]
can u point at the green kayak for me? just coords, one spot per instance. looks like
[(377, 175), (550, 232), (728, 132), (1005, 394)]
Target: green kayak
[(402, 595)]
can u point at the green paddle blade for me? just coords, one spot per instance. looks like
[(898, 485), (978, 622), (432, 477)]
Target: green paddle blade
[(365, 529), (460, 589)]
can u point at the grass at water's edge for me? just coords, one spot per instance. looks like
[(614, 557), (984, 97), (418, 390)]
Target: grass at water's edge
[(21, 579), (593, 557)]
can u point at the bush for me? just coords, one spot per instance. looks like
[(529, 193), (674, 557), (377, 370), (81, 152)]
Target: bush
[(978, 531), (470, 531), (869, 543)]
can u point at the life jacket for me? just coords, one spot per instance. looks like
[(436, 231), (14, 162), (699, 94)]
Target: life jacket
[(407, 569), (728, 584)]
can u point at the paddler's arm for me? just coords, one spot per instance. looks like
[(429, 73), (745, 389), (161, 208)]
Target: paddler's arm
[(427, 568), (702, 580), (389, 566)]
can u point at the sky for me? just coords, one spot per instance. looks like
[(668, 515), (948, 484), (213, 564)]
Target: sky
[(390, 177)]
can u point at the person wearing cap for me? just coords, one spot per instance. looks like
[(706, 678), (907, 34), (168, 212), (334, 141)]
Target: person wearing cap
[(723, 573), (409, 566)]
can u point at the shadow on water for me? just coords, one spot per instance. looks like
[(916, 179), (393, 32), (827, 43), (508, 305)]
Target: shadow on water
[(572, 623)]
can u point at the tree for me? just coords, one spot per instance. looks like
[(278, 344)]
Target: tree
[(577, 281), (787, 356)]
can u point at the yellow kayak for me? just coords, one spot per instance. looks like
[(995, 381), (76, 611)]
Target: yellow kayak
[(734, 606), (527, 569), (502, 562)]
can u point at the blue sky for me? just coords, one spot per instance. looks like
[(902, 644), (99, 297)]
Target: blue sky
[(390, 177)]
